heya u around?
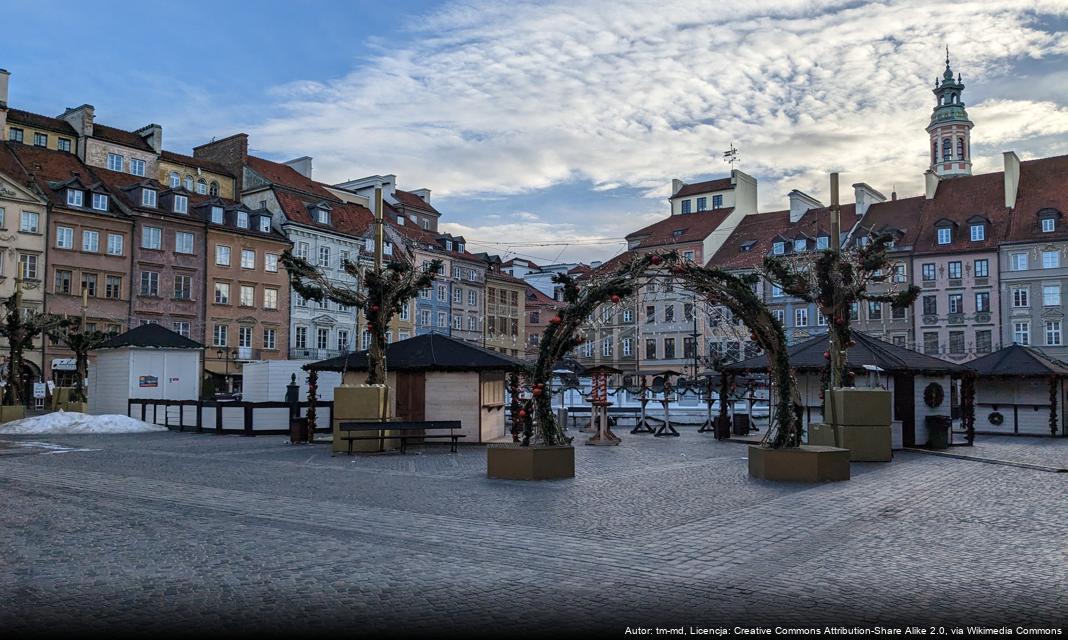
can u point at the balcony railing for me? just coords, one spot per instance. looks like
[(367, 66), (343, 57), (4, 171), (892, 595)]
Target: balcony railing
[(314, 354)]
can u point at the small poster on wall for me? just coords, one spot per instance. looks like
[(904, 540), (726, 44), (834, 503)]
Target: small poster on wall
[(147, 381), (38, 390)]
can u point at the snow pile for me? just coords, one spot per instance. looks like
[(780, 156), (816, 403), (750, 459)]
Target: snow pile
[(72, 422)]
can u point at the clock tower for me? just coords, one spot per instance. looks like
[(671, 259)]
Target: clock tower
[(950, 129)]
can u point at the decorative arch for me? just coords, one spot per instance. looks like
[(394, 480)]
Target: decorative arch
[(716, 286)]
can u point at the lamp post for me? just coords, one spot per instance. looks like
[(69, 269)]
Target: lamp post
[(225, 354)]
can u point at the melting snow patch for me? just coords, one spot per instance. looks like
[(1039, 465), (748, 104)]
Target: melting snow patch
[(72, 422)]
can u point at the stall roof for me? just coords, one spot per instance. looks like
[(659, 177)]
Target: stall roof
[(151, 336), (1016, 360), (430, 352), (808, 356)]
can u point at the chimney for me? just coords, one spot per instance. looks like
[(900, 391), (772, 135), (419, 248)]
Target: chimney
[(389, 186), (1012, 178), (231, 152), (801, 202), (865, 196), (595, 264), (153, 135), (931, 183), (81, 118), (302, 165), (676, 184), (424, 194), (5, 75)]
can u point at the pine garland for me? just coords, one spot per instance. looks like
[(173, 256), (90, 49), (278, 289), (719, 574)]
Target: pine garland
[(1053, 405)]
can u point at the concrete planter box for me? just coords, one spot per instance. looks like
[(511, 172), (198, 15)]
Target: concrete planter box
[(9, 413), (858, 407), (822, 435), (510, 461), (360, 402), (807, 463), (867, 443)]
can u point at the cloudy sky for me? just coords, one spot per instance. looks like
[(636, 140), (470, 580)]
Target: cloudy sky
[(551, 130)]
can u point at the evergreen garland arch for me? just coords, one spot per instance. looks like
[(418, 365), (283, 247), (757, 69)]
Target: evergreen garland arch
[(715, 285)]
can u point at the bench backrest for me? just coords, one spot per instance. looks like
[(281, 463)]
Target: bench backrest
[(379, 425)]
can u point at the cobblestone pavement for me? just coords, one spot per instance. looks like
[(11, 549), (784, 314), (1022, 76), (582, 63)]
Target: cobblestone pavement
[(1046, 452), (200, 533)]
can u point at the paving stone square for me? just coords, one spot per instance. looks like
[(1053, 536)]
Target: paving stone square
[(130, 533)]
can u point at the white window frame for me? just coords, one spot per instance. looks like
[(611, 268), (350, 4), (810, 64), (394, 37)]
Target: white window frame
[(115, 241), (248, 259), (1051, 295), (100, 202), (1021, 333), (181, 204), (1049, 225), (217, 215), (30, 222), (978, 232), (148, 234), (90, 241), (270, 298), (1054, 336), (270, 262), (64, 237), (1021, 297), (222, 255), (801, 317), (137, 167), (115, 162), (183, 242), (944, 235), (148, 197), (1051, 259)]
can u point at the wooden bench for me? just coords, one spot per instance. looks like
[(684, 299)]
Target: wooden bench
[(347, 427)]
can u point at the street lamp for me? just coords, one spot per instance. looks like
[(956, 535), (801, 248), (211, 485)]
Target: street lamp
[(226, 354)]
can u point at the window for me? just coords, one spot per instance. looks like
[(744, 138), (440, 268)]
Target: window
[(63, 280), (424, 317), (151, 237), (322, 216), (1020, 297), (113, 287), (443, 293), (188, 183), (202, 186), (800, 317), (983, 342), (114, 244), (137, 167), (443, 319), (650, 314), (956, 303), (717, 202), (302, 250), (1053, 333), (1018, 261), (213, 189), (930, 305), (854, 311), (823, 242), (778, 248), (100, 202), (301, 338), (28, 265), (269, 340), (222, 293), (248, 296), (220, 335), (669, 348), (14, 134), (930, 344), (472, 297), (183, 242), (1021, 333), (982, 268), (30, 221), (40, 139), (298, 300), (222, 255), (1051, 259), (1048, 225), (174, 180), (1051, 295), (181, 328), (216, 214), (342, 340), (265, 224), (899, 273), (669, 313), (149, 283), (650, 348), (945, 235), (956, 342), (114, 162), (148, 197), (947, 149), (458, 296), (800, 245), (927, 272), (982, 302), (686, 206), (776, 291), (270, 298), (64, 144), (897, 313), (183, 287), (270, 262), (91, 241), (955, 270), (181, 204), (625, 346), (978, 232), (875, 310), (324, 256), (606, 346), (248, 259), (64, 238), (242, 219)]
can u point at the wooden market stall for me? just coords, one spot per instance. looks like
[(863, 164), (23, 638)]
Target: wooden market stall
[(1020, 391)]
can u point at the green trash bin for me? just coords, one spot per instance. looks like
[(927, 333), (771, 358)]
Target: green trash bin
[(938, 431)]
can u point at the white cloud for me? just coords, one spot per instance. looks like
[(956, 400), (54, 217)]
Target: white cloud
[(500, 98)]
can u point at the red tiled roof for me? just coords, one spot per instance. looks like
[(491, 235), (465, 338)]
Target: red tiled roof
[(285, 176), (718, 184), (759, 231), (10, 165), (688, 227), (958, 200), (408, 199), (119, 136), (536, 298), (190, 161), (49, 167), (39, 121), (903, 215), (1043, 185), (347, 218)]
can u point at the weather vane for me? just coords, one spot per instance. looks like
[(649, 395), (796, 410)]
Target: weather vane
[(731, 156)]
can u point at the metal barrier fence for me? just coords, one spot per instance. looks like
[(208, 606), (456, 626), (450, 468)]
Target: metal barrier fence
[(253, 418)]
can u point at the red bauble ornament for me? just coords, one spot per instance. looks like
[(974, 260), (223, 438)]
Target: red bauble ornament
[(615, 299), (826, 355), (536, 391), (753, 336), (375, 308), (522, 413), (556, 320), (656, 259), (840, 322)]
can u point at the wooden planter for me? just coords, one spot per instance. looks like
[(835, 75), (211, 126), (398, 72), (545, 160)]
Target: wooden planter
[(9, 413), (858, 407), (510, 461), (866, 444), (822, 435), (807, 463)]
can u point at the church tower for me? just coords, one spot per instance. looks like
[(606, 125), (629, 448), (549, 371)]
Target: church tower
[(950, 128)]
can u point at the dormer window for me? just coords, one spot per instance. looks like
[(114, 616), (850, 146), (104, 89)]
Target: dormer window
[(823, 242), (216, 215), (702, 204), (181, 204), (322, 216), (1048, 225), (137, 167), (945, 235), (400, 220), (100, 202), (717, 202), (74, 198), (978, 232), (747, 246), (175, 180), (448, 245), (114, 162), (778, 248), (148, 197), (265, 224), (460, 247), (800, 245), (686, 206), (242, 219)]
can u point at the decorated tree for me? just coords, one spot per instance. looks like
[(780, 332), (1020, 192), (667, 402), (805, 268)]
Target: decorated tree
[(21, 327), (718, 287), (70, 333), (384, 292)]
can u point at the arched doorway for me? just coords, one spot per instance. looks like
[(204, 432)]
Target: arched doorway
[(714, 285)]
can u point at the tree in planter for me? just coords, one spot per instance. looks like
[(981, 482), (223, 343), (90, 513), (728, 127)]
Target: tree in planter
[(387, 291), (70, 333), (21, 328), (716, 286)]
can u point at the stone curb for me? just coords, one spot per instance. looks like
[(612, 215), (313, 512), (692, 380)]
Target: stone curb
[(1007, 463)]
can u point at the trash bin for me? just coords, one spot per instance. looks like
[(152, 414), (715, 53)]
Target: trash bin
[(938, 431), (741, 424), (723, 427), (298, 430)]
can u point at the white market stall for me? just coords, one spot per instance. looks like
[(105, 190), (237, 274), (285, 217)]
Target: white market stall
[(1020, 391)]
